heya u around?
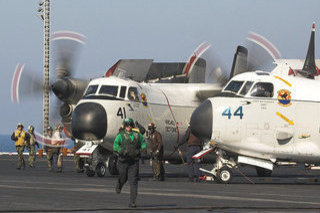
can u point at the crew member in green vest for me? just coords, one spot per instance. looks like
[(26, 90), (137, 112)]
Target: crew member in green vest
[(128, 145)]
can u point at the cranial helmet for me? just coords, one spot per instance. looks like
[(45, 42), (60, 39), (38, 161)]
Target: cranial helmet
[(20, 125), (128, 122), (31, 128)]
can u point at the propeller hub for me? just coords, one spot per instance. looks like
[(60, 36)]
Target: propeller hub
[(61, 88)]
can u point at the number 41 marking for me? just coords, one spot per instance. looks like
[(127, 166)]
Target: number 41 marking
[(238, 112)]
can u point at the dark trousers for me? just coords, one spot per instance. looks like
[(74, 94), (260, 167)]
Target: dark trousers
[(20, 150), (193, 164), (129, 170), (157, 168)]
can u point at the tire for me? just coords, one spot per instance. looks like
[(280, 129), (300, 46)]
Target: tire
[(89, 172), (224, 175), (262, 172), (101, 169), (112, 166)]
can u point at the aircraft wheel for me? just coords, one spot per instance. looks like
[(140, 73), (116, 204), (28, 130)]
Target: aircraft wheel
[(89, 172), (112, 166), (224, 175), (101, 169), (262, 172)]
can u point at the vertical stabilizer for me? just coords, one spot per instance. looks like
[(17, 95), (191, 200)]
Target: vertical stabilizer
[(240, 61), (309, 69)]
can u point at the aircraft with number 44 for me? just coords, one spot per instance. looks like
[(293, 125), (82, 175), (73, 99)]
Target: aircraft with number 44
[(262, 118)]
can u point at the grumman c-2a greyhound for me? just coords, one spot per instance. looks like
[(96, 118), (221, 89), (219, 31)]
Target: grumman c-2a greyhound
[(262, 118), (97, 117)]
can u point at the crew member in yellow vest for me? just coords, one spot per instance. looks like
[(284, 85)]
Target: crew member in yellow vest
[(19, 137)]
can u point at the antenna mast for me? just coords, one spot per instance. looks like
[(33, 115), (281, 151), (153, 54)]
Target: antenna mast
[(45, 16)]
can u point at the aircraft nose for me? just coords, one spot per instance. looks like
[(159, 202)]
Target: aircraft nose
[(201, 120), (89, 121)]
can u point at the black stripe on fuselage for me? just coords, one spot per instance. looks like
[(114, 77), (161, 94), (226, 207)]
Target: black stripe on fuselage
[(102, 97), (232, 95)]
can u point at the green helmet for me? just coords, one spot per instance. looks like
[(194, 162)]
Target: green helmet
[(128, 122)]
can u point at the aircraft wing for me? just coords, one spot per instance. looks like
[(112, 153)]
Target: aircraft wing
[(145, 70), (135, 69), (164, 70)]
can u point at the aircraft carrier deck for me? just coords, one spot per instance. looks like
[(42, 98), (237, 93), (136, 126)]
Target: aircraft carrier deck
[(290, 189)]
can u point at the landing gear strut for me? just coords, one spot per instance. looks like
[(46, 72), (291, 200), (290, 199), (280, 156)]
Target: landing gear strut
[(222, 168)]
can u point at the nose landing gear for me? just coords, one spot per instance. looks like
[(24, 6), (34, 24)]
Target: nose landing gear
[(97, 160), (222, 168)]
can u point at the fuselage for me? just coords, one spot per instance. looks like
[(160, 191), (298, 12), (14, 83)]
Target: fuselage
[(267, 115), (168, 106)]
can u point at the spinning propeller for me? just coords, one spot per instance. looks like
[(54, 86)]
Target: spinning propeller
[(27, 85)]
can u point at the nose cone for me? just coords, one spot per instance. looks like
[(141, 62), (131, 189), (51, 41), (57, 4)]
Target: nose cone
[(201, 120), (89, 122)]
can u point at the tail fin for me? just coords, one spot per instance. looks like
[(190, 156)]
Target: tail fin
[(188, 69), (240, 61), (309, 69)]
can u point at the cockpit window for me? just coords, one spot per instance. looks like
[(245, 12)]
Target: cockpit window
[(133, 94), (91, 90), (123, 91), (234, 86), (246, 88), (109, 90), (262, 90)]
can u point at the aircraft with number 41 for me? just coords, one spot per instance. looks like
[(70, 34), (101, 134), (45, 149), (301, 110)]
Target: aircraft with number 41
[(262, 118), (123, 93)]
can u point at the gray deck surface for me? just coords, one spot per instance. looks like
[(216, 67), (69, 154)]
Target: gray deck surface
[(290, 189)]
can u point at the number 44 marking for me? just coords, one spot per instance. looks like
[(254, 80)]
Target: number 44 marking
[(238, 112)]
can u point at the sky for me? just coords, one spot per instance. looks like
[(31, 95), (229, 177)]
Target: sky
[(163, 30)]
